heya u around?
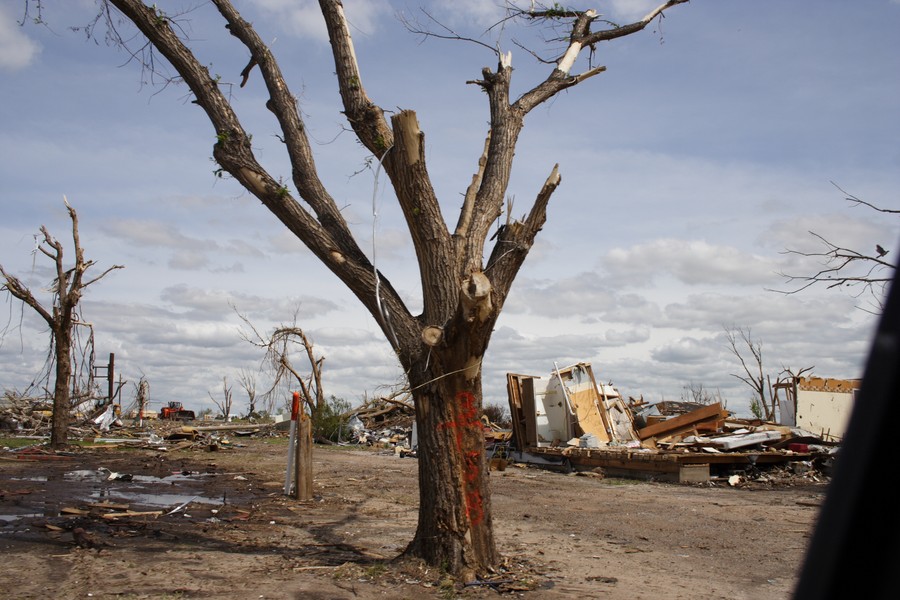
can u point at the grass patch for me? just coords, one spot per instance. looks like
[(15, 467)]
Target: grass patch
[(346, 448), (16, 442), (277, 441)]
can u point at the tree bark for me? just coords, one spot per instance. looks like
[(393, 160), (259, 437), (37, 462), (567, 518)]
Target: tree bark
[(59, 431), (455, 527)]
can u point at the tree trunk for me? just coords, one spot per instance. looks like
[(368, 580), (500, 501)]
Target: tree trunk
[(59, 428), (454, 529)]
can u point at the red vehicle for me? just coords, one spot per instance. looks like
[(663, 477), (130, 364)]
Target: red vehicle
[(176, 412)]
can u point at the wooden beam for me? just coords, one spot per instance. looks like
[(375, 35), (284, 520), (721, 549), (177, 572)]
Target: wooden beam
[(713, 411)]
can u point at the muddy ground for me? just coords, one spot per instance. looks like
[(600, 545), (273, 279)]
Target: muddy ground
[(238, 536)]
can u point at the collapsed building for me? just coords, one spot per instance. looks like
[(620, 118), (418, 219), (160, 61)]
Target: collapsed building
[(569, 421)]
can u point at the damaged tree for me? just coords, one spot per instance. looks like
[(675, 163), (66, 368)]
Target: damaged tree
[(764, 401), (224, 405), (62, 316), (278, 347), (247, 381), (868, 271), (441, 349)]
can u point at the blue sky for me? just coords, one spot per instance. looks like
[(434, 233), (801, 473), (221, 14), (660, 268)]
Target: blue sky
[(707, 148)]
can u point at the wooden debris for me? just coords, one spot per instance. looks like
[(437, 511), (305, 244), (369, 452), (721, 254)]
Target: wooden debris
[(71, 510), (685, 422), (130, 513)]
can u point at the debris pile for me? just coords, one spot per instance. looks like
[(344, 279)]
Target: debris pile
[(33, 417), (568, 421), (26, 416), (387, 422)]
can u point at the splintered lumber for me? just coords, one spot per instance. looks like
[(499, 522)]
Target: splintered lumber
[(71, 510), (685, 421), (131, 513)]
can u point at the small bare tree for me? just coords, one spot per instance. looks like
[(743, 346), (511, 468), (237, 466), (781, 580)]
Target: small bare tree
[(280, 346), (224, 405), (700, 394), (62, 316), (764, 401), (868, 272), (247, 381)]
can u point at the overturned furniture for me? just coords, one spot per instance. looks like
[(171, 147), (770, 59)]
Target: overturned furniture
[(568, 421)]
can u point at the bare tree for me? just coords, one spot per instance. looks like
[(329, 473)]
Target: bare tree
[(247, 381), (764, 401), (698, 393), (867, 272), (279, 347), (441, 349), (224, 405), (61, 314), (142, 396)]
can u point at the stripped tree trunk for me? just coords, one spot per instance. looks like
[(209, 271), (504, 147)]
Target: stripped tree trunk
[(455, 528), (62, 336), (61, 317)]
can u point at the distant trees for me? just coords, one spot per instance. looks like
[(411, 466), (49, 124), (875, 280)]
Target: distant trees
[(61, 314), (868, 272)]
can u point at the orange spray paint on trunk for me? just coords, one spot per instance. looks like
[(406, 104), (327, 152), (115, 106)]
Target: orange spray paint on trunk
[(468, 420)]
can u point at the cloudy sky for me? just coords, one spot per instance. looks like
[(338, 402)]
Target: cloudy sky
[(711, 144)]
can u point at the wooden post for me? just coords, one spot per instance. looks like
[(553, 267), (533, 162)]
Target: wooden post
[(111, 375), (292, 445), (303, 489)]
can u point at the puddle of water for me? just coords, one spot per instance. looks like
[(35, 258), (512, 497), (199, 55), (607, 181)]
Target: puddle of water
[(8, 519), (158, 500), (140, 492), (144, 490)]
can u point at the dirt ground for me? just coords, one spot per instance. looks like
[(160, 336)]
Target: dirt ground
[(238, 536)]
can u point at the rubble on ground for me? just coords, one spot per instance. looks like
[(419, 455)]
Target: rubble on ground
[(570, 422), (564, 422)]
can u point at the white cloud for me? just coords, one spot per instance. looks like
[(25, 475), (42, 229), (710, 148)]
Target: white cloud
[(856, 230), (580, 295), (469, 12), (631, 10), (304, 17), (155, 234), (685, 350), (694, 262), (208, 303), (17, 50), (772, 311)]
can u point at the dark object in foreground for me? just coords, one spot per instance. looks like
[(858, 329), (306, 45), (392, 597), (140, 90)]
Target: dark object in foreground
[(858, 523)]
